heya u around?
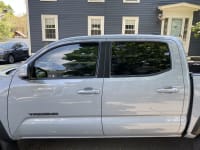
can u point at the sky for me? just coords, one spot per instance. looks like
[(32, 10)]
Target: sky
[(19, 6)]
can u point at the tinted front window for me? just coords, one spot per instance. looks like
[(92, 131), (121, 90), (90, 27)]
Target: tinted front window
[(18, 45), (24, 45), (139, 58), (77, 60)]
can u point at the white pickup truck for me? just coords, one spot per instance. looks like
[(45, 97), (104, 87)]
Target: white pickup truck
[(102, 87)]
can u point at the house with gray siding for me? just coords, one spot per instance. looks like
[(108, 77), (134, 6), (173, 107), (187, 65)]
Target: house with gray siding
[(50, 20)]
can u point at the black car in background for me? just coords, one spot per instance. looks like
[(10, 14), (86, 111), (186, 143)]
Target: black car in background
[(13, 51)]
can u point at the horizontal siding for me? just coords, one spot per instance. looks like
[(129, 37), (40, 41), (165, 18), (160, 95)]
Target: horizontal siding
[(72, 16)]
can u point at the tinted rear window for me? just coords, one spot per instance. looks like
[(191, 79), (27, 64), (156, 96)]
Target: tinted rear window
[(7, 45), (139, 58)]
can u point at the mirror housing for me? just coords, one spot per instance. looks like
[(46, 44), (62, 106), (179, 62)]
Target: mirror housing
[(23, 71)]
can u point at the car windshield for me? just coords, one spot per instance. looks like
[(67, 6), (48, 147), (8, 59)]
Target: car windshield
[(7, 45)]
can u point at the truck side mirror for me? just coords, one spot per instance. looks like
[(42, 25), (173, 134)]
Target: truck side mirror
[(23, 71)]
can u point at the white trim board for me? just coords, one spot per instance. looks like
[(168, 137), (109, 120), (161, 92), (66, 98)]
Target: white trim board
[(193, 7), (28, 26), (131, 1), (96, 1)]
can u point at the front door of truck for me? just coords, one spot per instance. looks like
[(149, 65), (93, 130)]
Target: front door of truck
[(63, 96), (144, 91)]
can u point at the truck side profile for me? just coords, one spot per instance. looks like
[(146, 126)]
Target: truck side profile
[(102, 87)]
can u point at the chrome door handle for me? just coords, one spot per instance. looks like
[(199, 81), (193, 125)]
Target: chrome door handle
[(89, 91), (168, 90)]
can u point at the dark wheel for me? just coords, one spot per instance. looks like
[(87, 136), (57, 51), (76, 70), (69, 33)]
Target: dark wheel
[(11, 59), (4, 145)]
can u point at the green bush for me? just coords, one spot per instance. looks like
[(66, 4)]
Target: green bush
[(196, 30), (5, 31), (6, 12)]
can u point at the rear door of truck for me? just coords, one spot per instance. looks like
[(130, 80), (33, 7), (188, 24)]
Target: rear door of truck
[(143, 89)]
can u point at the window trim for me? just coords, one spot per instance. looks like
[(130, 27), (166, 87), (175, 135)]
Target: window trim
[(90, 27), (129, 76), (43, 17), (128, 1), (48, 0), (136, 23), (31, 65), (96, 1)]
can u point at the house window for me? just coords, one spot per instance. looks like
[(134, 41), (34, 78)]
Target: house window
[(130, 25), (96, 0), (131, 1), (96, 25), (49, 27)]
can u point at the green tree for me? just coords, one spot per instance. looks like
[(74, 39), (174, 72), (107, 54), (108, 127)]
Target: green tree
[(7, 8), (6, 12), (196, 29), (5, 31), (82, 61)]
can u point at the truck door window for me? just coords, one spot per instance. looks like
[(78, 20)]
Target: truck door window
[(139, 58), (75, 60)]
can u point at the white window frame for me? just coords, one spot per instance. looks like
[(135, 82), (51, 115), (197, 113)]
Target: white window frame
[(96, 1), (136, 19), (43, 17), (48, 0), (95, 17), (129, 1)]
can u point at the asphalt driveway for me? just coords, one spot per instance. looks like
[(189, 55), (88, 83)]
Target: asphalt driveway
[(113, 144)]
